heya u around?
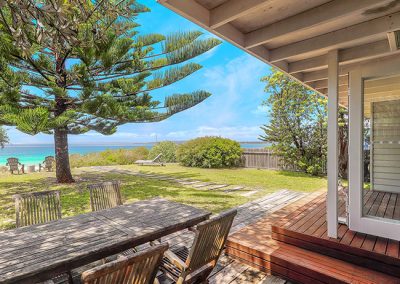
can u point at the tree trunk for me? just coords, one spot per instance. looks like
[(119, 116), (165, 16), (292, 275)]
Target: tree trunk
[(63, 170)]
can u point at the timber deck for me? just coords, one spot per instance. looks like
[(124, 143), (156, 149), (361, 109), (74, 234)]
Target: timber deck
[(228, 270), (382, 204), (293, 243)]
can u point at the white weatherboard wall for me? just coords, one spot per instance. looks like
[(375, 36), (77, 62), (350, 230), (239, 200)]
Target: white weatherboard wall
[(385, 163)]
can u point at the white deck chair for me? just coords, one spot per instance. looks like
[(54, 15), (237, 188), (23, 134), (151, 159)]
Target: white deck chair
[(155, 162)]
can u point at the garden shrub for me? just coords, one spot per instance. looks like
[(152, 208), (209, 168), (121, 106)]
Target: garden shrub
[(210, 152), (167, 149), (109, 157)]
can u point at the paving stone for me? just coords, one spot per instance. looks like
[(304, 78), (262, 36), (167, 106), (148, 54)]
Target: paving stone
[(249, 193), (217, 186), (234, 188), (203, 184)]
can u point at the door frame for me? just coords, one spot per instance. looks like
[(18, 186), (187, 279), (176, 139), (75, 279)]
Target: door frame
[(357, 222)]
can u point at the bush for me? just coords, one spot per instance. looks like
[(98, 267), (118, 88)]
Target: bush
[(109, 157), (167, 149), (210, 152)]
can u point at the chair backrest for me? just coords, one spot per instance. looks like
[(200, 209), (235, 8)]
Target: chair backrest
[(105, 195), (138, 268), (13, 163), (49, 162), (37, 207), (157, 158), (210, 240)]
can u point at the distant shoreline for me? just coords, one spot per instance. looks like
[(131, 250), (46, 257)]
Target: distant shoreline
[(33, 154), (114, 144)]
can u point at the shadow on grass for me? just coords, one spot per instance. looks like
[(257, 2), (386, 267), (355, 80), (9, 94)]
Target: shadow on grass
[(298, 174), (75, 197)]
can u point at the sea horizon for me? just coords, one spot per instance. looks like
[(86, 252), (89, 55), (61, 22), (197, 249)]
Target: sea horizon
[(115, 143), (33, 154)]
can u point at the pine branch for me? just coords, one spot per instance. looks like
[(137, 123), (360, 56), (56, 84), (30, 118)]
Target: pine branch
[(107, 83)]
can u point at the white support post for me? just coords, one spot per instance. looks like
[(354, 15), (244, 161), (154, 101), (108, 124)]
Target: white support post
[(333, 94)]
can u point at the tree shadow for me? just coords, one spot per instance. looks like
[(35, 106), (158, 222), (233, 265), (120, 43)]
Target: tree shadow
[(75, 197)]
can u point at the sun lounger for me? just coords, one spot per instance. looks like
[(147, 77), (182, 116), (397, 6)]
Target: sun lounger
[(155, 162)]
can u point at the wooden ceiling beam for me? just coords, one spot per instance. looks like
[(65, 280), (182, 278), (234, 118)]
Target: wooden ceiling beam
[(192, 10), (233, 9), (323, 14), (346, 56), (321, 84), (335, 39)]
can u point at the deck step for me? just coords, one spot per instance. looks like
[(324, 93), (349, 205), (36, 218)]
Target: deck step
[(307, 230), (304, 266), (265, 246)]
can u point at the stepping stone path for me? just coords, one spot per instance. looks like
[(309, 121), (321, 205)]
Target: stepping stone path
[(234, 188), (204, 184), (188, 182), (218, 186)]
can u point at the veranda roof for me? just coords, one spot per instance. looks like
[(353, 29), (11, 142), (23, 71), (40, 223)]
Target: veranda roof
[(296, 35)]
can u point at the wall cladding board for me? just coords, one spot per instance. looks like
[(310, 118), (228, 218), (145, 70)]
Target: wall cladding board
[(385, 150)]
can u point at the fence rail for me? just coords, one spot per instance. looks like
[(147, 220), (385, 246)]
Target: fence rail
[(266, 159), (261, 158)]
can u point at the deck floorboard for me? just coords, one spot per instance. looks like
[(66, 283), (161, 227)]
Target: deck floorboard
[(293, 243)]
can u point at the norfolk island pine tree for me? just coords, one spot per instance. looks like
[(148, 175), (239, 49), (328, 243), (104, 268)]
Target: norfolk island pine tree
[(68, 67)]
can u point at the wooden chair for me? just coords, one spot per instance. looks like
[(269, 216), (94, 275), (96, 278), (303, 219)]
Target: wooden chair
[(105, 195), (47, 164), (138, 268), (37, 207), (15, 165), (193, 266)]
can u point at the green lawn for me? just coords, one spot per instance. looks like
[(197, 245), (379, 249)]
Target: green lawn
[(266, 179), (75, 198)]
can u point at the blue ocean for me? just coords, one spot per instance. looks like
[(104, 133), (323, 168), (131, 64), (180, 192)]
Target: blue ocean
[(34, 154)]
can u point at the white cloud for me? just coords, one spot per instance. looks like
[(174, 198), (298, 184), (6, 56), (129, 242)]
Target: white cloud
[(261, 110), (231, 86), (240, 133)]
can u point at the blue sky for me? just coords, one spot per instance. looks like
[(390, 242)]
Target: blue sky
[(231, 75)]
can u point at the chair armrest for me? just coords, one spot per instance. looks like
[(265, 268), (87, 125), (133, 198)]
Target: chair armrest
[(155, 243), (192, 229), (175, 260)]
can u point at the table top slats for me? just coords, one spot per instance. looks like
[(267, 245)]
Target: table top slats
[(38, 251)]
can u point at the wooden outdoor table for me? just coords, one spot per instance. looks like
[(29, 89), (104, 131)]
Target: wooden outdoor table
[(40, 252)]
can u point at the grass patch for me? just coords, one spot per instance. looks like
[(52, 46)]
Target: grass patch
[(75, 197), (257, 178)]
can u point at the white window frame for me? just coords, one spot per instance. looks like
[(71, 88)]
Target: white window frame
[(381, 227)]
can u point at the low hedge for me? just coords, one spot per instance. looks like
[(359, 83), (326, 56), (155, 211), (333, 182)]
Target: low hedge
[(210, 152), (167, 149)]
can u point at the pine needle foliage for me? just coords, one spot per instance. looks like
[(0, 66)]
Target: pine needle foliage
[(297, 123), (69, 67), (83, 66)]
